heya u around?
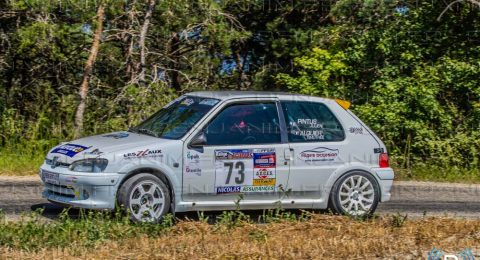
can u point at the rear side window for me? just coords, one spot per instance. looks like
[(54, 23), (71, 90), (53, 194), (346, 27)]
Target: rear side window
[(311, 122)]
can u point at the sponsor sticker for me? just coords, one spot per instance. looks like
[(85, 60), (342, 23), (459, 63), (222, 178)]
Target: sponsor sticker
[(143, 154), (264, 173), (196, 171), (309, 134), (258, 188), (192, 163), (309, 122), (233, 154), (319, 154), (70, 150), (71, 179), (356, 130), (242, 168), (193, 156), (308, 128), (263, 182), (228, 189), (264, 160)]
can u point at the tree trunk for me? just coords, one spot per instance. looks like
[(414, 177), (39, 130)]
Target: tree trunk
[(87, 71), (129, 40), (242, 80), (143, 36), (172, 50)]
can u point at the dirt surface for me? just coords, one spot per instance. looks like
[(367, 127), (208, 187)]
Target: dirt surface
[(21, 195)]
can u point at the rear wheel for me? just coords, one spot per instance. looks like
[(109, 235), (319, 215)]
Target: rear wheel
[(356, 194), (146, 197)]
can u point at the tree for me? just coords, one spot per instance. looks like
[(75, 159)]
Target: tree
[(87, 71)]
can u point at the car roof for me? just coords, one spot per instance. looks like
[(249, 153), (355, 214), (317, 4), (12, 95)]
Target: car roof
[(234, 94)]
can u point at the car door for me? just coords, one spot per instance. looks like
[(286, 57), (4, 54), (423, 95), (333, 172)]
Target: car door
[(243, 154), (317, 143)]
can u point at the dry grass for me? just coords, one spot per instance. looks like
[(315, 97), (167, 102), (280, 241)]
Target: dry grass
[(322, 236)]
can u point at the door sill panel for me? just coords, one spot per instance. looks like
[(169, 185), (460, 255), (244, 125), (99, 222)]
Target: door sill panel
[(249, 205)]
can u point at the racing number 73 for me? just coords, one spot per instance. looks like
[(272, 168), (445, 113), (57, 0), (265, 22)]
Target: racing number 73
[(241, 171)]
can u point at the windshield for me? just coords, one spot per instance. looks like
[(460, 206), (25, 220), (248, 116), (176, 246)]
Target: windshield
[(174, 120)]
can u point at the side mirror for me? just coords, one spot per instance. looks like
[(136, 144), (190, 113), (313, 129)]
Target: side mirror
[(199, 141)]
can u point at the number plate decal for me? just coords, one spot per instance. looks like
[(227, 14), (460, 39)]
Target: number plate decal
[(50, 177), (245, 170)]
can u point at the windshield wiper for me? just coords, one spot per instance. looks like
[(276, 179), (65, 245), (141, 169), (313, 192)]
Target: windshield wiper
[(147, 132)]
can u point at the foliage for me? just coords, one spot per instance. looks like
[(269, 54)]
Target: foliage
[(419, 94), (411, 76), (92, 228), (320, 73)]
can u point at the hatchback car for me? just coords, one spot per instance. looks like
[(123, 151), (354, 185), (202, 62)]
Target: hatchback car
[(204, 149)]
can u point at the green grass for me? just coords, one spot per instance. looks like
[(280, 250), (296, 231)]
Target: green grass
[(32, 232), (20, 163), (92, 228), (438, 174)]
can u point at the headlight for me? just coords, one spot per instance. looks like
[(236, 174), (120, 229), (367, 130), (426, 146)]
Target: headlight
[(89, 165)]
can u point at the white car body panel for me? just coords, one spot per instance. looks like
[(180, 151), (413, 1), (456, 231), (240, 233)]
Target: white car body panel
[(191, 174)]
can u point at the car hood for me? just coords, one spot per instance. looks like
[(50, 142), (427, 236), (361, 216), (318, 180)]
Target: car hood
[(101, 145)]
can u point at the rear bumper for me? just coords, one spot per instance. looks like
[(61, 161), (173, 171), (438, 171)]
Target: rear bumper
[(86, 190), (385, 178)]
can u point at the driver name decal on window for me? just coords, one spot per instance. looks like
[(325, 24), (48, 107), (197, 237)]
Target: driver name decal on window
[(245, 170), (311, 122), (314, 132)]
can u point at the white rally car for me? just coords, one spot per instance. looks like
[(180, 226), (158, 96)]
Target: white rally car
[(204, 149)]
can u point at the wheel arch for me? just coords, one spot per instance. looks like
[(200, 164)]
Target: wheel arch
[(156, 172), (338, 174)]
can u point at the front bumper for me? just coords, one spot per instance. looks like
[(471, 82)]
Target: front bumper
[(385, 178), (80, 190)]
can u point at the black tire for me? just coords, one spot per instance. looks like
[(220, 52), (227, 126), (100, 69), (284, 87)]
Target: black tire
[(138, 209), (334, 200)]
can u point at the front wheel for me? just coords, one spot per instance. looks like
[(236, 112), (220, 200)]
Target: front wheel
[(146, 198), (356, 194)]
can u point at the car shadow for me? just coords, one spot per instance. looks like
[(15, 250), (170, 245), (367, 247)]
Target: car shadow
[(256, 216), (54, 212)]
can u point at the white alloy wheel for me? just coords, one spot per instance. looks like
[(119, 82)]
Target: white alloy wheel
[(356, 193), (146, 201), (146, 197)]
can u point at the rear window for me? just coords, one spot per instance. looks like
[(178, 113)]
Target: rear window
[(311, 122)]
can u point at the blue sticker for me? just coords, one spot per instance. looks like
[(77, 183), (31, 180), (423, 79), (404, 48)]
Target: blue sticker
[(228, 189), (70, 150), (117, 135), (233, 154), (264, 160)]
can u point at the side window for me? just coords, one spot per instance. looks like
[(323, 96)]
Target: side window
[(311, 122), (251, 123)]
